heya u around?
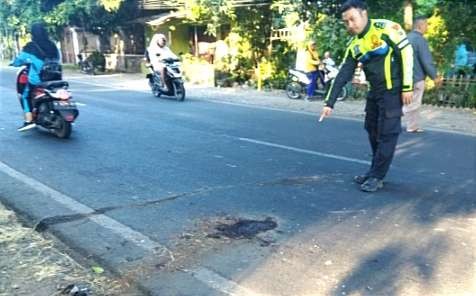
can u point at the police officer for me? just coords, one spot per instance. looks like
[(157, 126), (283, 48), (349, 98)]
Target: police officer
[(387, 58)]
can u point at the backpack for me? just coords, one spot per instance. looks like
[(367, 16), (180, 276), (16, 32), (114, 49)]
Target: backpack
[(51, 70)]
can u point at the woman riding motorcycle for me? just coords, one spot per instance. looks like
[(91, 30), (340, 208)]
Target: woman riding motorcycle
[(34, 54)]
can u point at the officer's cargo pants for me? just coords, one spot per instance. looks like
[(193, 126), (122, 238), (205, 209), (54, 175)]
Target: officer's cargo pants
[(383, 125)]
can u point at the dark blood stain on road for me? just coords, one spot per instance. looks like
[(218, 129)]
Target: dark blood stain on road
[(244, 228)]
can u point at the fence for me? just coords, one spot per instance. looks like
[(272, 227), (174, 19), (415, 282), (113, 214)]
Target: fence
[(454, 92)]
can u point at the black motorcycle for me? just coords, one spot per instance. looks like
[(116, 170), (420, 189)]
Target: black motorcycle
[(85, 66), (173, 80), (52, 106)]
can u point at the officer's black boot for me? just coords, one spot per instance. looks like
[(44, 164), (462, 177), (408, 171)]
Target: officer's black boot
[(360, 179), (371, 185)]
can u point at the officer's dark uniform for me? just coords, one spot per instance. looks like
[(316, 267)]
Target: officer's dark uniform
[(387, 60)]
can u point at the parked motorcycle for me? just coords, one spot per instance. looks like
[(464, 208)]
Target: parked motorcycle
[(85, 66), (298, 83), (173, 80), (52, 106)]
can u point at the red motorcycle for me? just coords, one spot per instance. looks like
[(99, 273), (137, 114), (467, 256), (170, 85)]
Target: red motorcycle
[(52, 106)]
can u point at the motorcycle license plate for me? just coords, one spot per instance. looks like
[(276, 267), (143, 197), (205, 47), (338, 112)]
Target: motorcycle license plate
[(64, 105)]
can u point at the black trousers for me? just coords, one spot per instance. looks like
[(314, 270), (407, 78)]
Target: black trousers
[(383, 125)]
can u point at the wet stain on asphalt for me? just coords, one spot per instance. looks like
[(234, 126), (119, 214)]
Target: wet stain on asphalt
[(244, 228)]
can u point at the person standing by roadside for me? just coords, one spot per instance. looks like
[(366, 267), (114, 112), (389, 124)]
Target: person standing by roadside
[(461, 59), (312, 69), (422, 66), (387, 58)]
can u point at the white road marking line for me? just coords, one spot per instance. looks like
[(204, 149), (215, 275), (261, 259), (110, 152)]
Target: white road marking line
[(208, 277), (94, 90), (108, 85), (102, 85), (348, 212), (89, 76), (220, 283), (333, 156)]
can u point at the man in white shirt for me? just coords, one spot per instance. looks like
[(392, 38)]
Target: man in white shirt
[(328, 60)]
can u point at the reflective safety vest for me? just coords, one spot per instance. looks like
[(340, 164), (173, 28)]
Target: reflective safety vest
[(386, 56)]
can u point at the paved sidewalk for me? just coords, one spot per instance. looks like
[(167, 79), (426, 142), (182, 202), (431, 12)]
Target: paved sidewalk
[(433, 117)]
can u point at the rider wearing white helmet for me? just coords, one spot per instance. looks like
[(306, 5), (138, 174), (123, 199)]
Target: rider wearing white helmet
[(157, 52)]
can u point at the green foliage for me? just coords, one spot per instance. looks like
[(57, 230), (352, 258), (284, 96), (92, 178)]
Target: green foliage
[(458, 18), (16, 15), (330, 35), (253, 24), (383, 9), (94, 15), (250, 28), (282, 58), (212, 13), (111, 5), (61, 14), (460, 94), (424, 7)]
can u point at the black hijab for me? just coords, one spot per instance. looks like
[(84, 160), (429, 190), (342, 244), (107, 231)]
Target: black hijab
[(41, 46)]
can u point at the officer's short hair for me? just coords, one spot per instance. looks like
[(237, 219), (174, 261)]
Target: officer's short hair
[(359, 4), (418, 19)]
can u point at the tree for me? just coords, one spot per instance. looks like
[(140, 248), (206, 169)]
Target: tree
[(212, 13), (98, 16), (455, 20)]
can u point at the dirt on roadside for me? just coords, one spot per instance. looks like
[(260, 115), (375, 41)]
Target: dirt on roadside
[(33, 265)]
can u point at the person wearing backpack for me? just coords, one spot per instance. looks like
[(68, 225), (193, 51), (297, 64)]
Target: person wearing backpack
[(37, 53)]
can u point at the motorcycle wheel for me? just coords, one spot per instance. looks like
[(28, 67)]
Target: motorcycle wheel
[(64, 131), (293, 90), (155, 90), (179, 91), (343, 94)]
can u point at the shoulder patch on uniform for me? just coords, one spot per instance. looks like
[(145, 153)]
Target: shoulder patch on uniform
[(398, 29), (376, 41), (380, 25)]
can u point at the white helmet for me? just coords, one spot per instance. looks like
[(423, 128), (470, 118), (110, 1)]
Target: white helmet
[(159, 37)]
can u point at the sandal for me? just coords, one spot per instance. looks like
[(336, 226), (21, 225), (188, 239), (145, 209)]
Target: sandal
[(418, 130)]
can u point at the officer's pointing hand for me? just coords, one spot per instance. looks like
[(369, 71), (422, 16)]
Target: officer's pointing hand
[(407, 97), (326, 112)]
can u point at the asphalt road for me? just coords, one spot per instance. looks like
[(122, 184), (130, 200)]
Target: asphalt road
[(147, 187)]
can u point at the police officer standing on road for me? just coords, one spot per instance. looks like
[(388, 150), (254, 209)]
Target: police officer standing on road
[(387, 58)]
